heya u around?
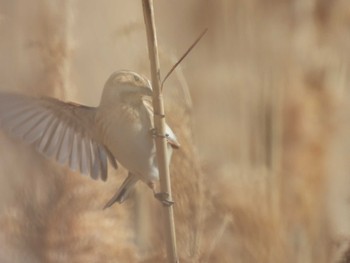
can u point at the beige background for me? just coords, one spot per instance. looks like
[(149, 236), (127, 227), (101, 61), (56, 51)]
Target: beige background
[(261, 108)]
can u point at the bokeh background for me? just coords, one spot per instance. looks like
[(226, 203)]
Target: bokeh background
[(260, 106)]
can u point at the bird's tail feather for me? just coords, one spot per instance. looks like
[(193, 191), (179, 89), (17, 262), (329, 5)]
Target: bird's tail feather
[(123, 190)]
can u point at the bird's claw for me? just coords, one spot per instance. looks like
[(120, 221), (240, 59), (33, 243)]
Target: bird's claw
[(155, 134), (164, 198)]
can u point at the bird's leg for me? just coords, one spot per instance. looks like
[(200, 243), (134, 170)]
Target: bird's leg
[(162, 197)]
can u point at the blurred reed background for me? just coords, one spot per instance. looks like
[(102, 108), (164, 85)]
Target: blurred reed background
[(260, 107)]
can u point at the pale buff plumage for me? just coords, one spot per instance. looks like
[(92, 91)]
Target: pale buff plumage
[(84, 138)]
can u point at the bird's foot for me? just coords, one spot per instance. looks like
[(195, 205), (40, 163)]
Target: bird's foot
[(164, 198), (161, 196), (155, 134)]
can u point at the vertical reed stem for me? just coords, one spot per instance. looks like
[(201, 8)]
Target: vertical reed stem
[(159, 123)]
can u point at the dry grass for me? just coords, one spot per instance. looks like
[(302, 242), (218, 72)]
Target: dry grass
[(262, 175)]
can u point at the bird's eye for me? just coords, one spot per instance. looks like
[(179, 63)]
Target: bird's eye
[(136, 78)]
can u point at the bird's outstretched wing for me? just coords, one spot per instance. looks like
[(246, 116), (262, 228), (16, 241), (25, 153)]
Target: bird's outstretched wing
[(58, 130)]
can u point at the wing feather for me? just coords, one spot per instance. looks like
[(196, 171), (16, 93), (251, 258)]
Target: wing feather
[(38, 125), (85, 157), (95, 168), (74, 155), (65, 148), (25, 122), (59, 130), (55, 140), (44, 140), (103, 162)]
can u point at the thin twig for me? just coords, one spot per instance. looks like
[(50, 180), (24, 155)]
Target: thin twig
[(184, 55), (183, 84), (159, 123)]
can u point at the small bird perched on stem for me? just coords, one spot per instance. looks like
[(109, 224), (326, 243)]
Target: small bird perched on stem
[(84, 138)]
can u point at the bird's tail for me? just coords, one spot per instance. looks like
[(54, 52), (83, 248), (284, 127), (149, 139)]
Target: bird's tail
[(123, 190)]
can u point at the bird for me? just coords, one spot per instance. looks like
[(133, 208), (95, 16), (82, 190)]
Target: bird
[(120, 130)]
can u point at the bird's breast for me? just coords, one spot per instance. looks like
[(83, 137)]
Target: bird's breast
[(121, 124), (125, 131)]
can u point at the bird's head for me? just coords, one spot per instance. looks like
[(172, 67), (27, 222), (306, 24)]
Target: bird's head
[(125, 86)]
